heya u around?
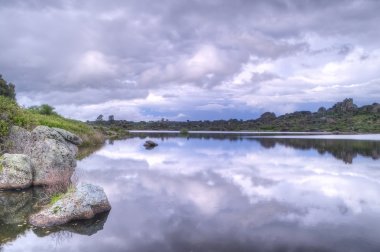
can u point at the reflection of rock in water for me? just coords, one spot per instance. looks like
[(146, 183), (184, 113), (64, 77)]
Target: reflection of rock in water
[(82, 227), (15, 207), (345, 150)]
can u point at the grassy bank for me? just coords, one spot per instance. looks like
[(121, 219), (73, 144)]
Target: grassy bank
[(12, 114)]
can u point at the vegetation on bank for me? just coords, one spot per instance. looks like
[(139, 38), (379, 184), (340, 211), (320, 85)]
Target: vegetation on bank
[(7, 89), (344, 116), (12, 114)]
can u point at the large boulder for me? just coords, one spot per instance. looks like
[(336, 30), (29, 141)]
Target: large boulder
[(84, 202), (52, 152), (18, 140), (53, 156), (15, 171)]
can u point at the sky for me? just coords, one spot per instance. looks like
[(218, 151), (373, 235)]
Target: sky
[(190, 59)]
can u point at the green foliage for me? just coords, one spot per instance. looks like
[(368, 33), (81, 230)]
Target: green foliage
[(4, 127), (12, 114), (43, 109), (58, 196), (7, 89), (55, 198)]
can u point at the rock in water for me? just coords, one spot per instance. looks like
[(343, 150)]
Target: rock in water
[(52, 156), (84, 202), (15, 171), (150, 144)]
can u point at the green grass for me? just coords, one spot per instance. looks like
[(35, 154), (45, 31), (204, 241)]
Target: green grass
[(58, 196), (12, 114), (55, 198)]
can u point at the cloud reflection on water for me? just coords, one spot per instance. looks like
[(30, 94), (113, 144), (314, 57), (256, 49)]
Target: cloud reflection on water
[(209, 195)]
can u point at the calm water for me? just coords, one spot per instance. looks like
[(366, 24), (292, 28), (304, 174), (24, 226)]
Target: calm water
[(218, 193)]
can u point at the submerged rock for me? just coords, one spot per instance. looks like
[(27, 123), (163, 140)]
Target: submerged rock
[(15, 171), (84, 202), (150, 144)]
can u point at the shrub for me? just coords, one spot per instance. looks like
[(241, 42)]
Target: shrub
[(7, 89), (44, 109)]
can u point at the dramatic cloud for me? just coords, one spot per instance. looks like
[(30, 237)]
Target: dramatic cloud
[(181, 60)]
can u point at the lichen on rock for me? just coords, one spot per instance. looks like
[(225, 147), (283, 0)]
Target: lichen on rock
[(15, 171)]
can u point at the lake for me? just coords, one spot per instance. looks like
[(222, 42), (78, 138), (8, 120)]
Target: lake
[(218, 192)]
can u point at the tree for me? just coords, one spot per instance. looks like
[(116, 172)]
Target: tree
[(7, 89), (111, 118), (99, 118), (44, 109)]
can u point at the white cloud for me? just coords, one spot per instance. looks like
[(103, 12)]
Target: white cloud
[(71, 52)]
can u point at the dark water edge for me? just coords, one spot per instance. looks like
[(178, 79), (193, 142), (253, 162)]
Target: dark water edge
[(216, 193), (343, 149)]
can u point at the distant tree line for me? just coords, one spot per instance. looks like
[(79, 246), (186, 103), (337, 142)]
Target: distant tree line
[(344, 116), (111, 118)]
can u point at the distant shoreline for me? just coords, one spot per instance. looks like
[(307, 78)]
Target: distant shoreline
[(275, 134), (236, 132), (343, 118)]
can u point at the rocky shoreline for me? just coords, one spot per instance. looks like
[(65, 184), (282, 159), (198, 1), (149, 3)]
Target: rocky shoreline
[(47, 157)]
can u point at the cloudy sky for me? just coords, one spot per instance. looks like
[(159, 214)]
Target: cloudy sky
[(190, 59)]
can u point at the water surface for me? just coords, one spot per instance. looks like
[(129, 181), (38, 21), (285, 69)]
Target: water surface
[(218, 192)]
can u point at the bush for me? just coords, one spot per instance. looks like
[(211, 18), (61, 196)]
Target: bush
[(7, 89), (44, 109), (10, 113)]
